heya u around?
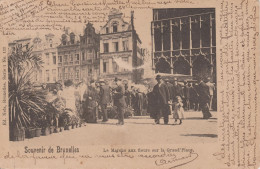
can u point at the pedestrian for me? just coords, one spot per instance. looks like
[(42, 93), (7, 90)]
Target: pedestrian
[(197, 106), (177, 89), (162, 96), (127, 95), (139, 102), (104, 98), (59, 105), (91, 106), (119, 100), (186, 92), (151, 105), (193, 97), (211, 92), (178, 110), (204, 98)]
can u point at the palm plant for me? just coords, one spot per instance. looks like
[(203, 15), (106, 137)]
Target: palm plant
[(25, 101)]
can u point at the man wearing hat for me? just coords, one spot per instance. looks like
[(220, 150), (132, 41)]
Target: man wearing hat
[(170, 87), (105, 98), (177, 89), (119, 100), (162, 95), (204, 97)]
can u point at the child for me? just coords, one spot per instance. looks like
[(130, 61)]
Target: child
[(178, 110)]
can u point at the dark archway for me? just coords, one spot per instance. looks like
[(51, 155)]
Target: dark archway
[(162, 66), (201, 68), (181, 66)]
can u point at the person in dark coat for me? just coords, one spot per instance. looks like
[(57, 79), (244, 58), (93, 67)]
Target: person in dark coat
[(186, 92), (91, 106), (193, 97), (204, 98), (151, 105), (133, 98), (170, 87), (196, 97), (177, 89), (127, 95), (162, 96), (139, 103), (119, 100), (105, 98)]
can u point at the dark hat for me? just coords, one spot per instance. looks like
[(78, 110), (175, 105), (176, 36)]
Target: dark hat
[(68, 83), (158, 77), (117, 79), (92, 81)]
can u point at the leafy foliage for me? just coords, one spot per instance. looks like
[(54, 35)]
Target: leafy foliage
[(25, 102)]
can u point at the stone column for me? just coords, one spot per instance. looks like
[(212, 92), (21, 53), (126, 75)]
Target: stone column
[(171, 43)]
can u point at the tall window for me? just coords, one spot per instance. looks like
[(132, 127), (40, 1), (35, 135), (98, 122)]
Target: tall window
[(60, 59), (77, 57), (77, 74), (83, 55), (89, 71), (47, 59), (47, 76), (115, 46), (59, 73), (107, 30), (66, 58), (125, 45), (71, 57), (114, 28), (50, 41), (106, 48), (125, 59), (54, 59), (104, 67), (115, 67), (54, 75)]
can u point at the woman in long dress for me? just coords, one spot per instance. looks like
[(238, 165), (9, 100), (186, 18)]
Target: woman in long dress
[(70, 101)]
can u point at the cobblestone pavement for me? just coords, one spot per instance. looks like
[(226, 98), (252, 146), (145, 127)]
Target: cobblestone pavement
[(137, 130)]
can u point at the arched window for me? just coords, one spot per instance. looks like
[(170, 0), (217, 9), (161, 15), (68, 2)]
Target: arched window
[(181, 66), (115, 27)]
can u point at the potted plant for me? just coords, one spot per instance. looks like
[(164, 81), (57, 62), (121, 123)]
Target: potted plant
[(44, 125), (18, 134), (65, 120), (23, 97)]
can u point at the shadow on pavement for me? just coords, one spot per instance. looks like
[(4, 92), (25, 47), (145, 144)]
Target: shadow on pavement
[(201, 135), (199, 118)]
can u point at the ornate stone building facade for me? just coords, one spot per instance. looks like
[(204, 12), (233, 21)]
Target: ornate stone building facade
[(46, 48), (119, 40), (89, 47), (69, 57), (184, 41)]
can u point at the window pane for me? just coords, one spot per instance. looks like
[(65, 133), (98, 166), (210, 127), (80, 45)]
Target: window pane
[(114, 28), (115, 46)]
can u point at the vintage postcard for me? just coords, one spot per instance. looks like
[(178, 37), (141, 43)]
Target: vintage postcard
[(129, 84)]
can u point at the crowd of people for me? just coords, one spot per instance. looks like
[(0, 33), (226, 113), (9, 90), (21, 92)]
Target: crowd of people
[(90, 102), (167, 98)]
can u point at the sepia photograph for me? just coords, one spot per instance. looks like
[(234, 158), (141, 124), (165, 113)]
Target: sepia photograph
[(129, 84), (104, 79)]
